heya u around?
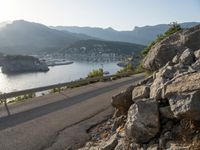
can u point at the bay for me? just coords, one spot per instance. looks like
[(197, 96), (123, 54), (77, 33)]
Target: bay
[(56, 74)]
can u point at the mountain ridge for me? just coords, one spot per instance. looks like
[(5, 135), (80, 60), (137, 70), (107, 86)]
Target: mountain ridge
[(27, 37), (140, 35)]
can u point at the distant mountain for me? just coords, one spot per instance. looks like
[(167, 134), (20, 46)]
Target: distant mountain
[(22, 37), (140, 35)]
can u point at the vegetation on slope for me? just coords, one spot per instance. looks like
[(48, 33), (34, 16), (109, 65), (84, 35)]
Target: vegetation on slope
[(173, 29), (101, 46), (95, 73)]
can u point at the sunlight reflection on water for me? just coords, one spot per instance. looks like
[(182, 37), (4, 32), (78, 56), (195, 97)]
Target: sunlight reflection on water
[(55, 75)]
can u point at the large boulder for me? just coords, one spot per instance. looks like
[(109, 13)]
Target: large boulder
[(140, 92), (186, 105), (143, 120), (182, 84), (165, 50), (164, 74), (156, 88), (123, 100), (187, 57)]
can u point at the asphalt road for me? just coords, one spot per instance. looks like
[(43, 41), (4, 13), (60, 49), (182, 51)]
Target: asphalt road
[(59, 121)]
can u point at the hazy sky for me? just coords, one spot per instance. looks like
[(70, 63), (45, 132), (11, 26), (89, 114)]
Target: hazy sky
[(119, 14)]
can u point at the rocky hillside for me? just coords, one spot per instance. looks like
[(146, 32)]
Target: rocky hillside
[(163, 111), (175, 44)]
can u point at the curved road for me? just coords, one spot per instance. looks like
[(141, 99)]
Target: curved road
[(59, 121)]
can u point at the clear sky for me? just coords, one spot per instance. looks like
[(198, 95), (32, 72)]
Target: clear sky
[(119, 14)]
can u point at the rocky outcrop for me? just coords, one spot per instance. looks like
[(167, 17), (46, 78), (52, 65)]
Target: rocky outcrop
[(20, 64), (164, 51), (163, 111)]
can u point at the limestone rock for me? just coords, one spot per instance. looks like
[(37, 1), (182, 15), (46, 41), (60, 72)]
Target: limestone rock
[(186, 105), (164, 51), (140, 92), (197, 54), (184, 83), (143, 120), (172, 145), (110, 144), (187, 57), (165, 74), (175, 60), (156, 88), (118, 122), (120, 145), (156, 58), (122, 101), (153, 147)]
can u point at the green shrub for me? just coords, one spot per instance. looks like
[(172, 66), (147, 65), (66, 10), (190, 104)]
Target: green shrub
[(23, 97), (174, 27), (139, 69), (127, 69), (96, 73), (55, 90)]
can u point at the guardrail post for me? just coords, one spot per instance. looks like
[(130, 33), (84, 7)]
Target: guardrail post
[(6, 106)]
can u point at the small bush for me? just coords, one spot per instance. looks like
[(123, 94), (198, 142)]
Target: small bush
[(127, 69), (139, 69), (23, 97), (55, 90), (96, 73)]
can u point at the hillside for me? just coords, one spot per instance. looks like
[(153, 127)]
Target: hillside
[(139, 35), (99, 50), (27, 37), (100, 46)]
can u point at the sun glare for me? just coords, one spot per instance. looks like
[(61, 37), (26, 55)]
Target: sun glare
[(6, 9)]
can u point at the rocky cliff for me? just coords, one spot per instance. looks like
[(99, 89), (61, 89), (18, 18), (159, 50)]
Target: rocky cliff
[(163, 111), (20, 64), (175, 44)]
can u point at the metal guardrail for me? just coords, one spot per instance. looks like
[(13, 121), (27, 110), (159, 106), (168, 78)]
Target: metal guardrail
[(60, 85), (5, 96)]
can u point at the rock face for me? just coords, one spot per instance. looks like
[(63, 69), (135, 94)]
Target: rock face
[(20, 64), (143, 120), (176, 43)]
